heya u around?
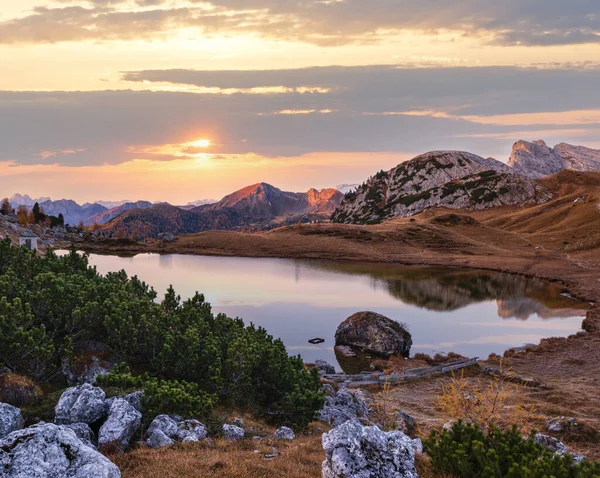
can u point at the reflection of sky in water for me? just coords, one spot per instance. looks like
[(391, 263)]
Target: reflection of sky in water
[(298, 301)]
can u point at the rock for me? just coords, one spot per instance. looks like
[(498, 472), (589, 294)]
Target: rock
[(82, 404), (561, 424), (284, 433), (417, 445), (84, 433), (134, 399), (577, 458), (374, 333), (324, 368), (10, 419), (51, 451), (355, 451), (122, 423), (551, 443), (191, 429), (232, 432), (190, 439), (406, 423), (159, 440), (165, 424), (343, 406)]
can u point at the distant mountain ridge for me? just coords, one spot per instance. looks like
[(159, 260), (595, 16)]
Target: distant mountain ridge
[(537, 159), (256, 207), (107, 215)]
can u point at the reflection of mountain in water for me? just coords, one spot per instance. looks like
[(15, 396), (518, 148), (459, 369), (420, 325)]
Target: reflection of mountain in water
[(451, 289)]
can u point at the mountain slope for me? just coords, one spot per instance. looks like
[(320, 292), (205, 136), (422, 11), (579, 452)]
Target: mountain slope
[(538, 160), (105, 216), (452, 179), (72, 212)]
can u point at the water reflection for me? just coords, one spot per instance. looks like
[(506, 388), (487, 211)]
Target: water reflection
[(469, 312)]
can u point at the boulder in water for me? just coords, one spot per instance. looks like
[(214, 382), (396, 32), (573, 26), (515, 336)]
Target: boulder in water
[(374, 333)]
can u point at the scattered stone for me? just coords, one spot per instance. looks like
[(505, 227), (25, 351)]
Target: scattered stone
[(374, 333), (82, 404), (448, 426), (577, 458), (51, 451), (122, 423), (551, 444), (343, 406), (190, 439), (159, 440), (10, 419), (284, 433), (84, 433), (166, 424), (561, 424), (233, 432), (324, 367), (406, 423), (353, 450), (192, 430)]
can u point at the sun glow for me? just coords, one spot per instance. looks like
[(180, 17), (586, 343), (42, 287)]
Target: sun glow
[(201, 143)]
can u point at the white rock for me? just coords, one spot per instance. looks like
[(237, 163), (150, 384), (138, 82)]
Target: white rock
[(122, 423), (343, 406), (159, 440), (355, 451), (83, 404), (191, 429), (551, 443), (51, 451), (233, 432), (417, 445), (165, 424), (10, 419), (284, 433)]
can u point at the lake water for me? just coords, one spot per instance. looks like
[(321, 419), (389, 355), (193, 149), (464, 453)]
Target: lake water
[(473, 313)]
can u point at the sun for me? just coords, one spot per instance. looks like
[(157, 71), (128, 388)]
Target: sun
[(201, 143)]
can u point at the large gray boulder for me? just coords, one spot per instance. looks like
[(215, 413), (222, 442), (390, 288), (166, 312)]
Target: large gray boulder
[(191, 431), (83, 404), (122, 423), (134, 399), (355, 451), (84, 433), (343, 406), (284, 433), (166, 424), (51, 451), (374, 333), (159, 440), (10, 419)]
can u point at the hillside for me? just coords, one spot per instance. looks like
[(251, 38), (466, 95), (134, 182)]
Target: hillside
[(72, 212), (105, 216), (538, 160), (451, 179)]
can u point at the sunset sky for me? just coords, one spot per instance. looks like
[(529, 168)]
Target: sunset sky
[(186, 100)]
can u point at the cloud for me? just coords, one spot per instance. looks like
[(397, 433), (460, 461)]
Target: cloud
[(507, 22), (361, 110)]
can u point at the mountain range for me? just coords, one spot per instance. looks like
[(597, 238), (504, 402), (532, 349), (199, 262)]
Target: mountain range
[(256, 207)]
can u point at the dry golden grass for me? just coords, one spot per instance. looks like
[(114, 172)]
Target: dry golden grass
[(19, 390)]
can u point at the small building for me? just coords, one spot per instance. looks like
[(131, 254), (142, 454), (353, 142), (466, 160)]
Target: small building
[(29, 240)]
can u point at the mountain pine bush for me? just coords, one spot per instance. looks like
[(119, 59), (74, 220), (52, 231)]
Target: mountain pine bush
[(465, 451)]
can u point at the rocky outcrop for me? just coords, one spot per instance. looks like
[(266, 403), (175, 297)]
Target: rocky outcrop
[(550, 443), (233, 432), (51, 451), (83, 404), (122, 423), (343, 406), (84, 433), (374, 333), (284, 433), (10, 419), (353, 450), (537, 159), (166, 424), (451, 179)]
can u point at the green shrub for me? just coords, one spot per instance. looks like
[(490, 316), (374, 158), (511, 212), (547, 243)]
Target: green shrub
[(465, 451), (52, 307)]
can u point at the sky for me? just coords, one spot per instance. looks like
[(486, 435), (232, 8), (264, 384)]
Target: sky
[(178, 101)]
